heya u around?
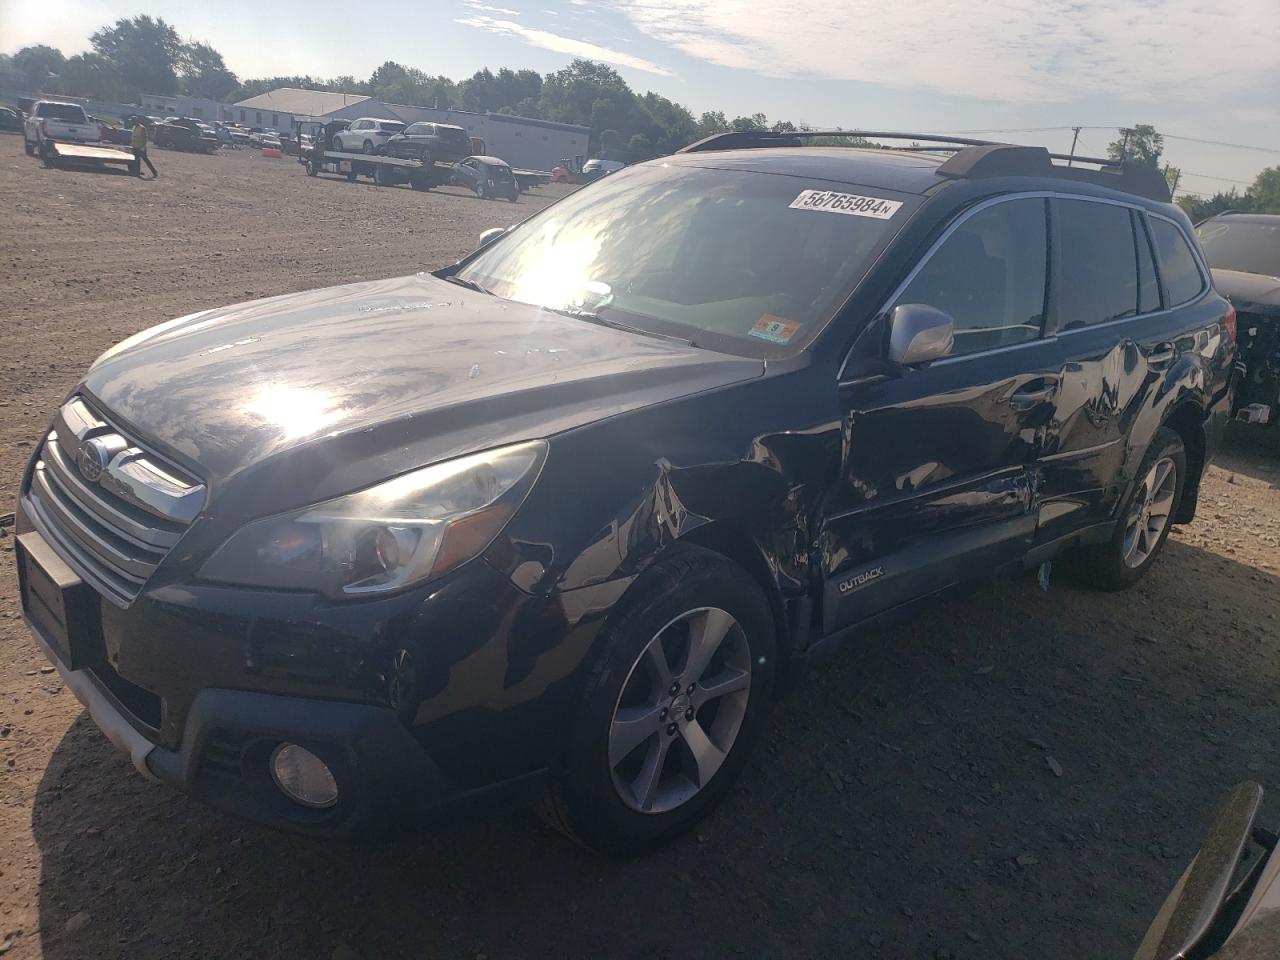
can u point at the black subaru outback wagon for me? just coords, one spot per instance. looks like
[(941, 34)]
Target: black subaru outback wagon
[(565, 516)]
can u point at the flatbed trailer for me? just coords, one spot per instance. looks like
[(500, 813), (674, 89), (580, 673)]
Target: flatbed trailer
[(528, 179), (385, 171), (55, 153)]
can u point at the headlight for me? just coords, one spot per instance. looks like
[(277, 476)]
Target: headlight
[(399, 533)]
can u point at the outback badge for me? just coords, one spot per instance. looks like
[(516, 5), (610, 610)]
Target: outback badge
[(860, 580)]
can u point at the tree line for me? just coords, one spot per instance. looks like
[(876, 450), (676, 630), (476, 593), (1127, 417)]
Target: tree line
[(145, 54)]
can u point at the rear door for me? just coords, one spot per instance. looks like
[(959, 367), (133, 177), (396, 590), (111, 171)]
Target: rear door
[(1113, 340), (935, 483)]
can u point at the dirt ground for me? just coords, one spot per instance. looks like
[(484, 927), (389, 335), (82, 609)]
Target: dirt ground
[(1022, 773)]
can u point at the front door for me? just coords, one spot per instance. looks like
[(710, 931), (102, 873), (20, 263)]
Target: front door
[(936, 481)]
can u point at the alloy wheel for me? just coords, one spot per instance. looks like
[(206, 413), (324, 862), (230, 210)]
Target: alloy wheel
[(1149, 513), (680, 710)]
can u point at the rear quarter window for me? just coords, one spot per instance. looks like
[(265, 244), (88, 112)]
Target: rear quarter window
[(1182, 276)]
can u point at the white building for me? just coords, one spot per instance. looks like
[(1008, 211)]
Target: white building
[(178, 105), (277, 109)]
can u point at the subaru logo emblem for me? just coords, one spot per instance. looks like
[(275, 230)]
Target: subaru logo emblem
[(93, 459)]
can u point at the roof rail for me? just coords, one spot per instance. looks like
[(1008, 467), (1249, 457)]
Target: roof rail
[(972, 159)]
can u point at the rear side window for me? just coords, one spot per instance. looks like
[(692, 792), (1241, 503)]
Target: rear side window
[(1099, 263), (1178, 265), (1148, 284), (989, 275), (61, 111)]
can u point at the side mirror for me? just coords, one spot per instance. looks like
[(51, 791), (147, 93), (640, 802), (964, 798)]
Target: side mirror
[(919, 333), (491, 235)]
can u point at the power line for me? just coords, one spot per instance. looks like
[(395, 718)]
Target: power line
[(1206, 176)]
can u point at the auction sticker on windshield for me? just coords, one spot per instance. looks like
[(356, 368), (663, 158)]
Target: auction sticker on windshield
[(774, 329), (849, 203)]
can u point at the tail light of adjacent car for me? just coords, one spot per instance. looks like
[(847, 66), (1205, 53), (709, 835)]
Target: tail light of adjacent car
[(1229, 320)]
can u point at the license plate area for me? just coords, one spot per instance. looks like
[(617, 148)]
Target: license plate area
[(64, 608)]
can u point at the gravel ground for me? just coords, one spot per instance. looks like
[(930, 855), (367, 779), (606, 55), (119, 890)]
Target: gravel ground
[(1019, 773)]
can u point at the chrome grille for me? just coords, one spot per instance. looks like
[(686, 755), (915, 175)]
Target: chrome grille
[(112, 509)]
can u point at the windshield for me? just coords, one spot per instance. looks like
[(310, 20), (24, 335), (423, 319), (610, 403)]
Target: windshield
[(1249, 246), (746, 262)]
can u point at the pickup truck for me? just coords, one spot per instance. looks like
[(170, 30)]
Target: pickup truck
[(52, 121)]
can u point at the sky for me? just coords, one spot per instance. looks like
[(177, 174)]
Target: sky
[(1006, 69)]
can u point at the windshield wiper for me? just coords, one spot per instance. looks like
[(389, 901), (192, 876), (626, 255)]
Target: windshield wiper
[(469, 284), (617, 325)]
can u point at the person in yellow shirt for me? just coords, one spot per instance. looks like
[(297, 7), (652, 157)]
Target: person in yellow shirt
[(139, 143)]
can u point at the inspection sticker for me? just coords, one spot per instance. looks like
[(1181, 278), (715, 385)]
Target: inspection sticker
[(774, 329), (849, 203)]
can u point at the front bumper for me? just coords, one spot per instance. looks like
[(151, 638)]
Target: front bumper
[(198, 683), (384, 777)]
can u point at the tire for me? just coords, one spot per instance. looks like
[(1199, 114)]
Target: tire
[(420, 182), (312, 169), (351, 176), (367, 147), (602, 791), (481, 191), (1125, 558), (28, 146), (337, 145)]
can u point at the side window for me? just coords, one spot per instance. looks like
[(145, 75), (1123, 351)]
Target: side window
[(990, 275), (1099, 263), (1182, 277), (1148, 285)]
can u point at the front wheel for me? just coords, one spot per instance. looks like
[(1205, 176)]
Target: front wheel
[(676, 699), (1145, 519), (482, 191), (29, 147)]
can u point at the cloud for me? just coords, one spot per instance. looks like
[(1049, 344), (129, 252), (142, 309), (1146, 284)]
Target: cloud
[(554, 41), (1002, 50), (484, 7)]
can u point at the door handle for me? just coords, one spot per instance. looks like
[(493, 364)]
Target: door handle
[(1033, 394), (1160, 354)]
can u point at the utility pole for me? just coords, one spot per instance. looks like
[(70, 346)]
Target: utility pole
[(1075, 135), (1124, 147), (1177, 175)]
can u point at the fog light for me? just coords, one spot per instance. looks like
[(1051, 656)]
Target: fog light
[(303, 776)]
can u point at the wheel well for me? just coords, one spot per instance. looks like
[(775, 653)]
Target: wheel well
[(1188, 423), (732, 542)]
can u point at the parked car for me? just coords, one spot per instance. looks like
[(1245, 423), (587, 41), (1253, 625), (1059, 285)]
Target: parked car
[(366, 135), (1226, 904), (108, 132), (1243, 250), (239, 135), (595, 169), (184, 133), (570, 513), (488, 177), (429, 143), (10, 120), (52, 121)]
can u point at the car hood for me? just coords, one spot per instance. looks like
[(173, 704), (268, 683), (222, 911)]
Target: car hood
[(1248, 291), (286, 401)]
